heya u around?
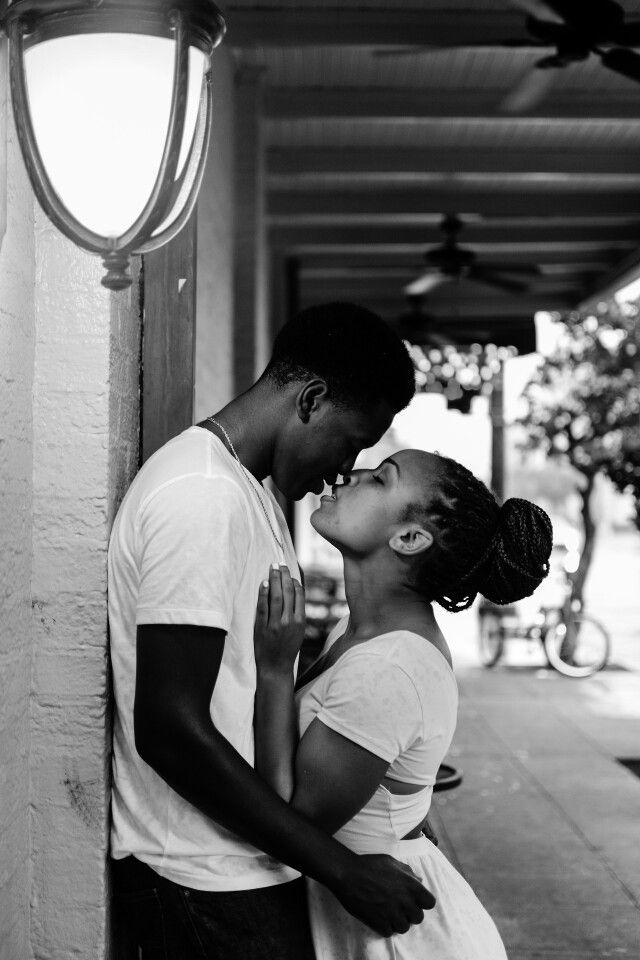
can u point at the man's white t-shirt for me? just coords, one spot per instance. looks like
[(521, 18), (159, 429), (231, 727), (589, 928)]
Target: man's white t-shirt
[(190, 544)]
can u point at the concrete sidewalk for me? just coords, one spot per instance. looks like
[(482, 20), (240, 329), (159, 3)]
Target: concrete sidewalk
[(546, 825)]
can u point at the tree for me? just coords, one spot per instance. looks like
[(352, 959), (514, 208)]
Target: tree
[(624, 469), (583, 407)]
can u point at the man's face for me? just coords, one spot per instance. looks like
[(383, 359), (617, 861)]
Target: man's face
[(315, 452)]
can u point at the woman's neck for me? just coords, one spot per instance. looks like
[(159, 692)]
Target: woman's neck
[(378, 603)]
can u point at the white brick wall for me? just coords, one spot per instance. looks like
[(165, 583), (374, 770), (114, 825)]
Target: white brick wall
[(85, 453), (69, 367), (16, 374)]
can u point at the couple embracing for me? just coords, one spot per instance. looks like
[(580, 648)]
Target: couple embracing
[(260, 815)]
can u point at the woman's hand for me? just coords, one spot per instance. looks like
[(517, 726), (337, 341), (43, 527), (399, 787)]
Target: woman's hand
[(280, 622)]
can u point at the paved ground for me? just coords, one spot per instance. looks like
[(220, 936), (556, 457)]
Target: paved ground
[(546, 826)]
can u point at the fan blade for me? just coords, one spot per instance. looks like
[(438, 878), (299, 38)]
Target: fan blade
[(529, 91), (596, 15), (425, 284), (626, 62), (485, 275), (628, 35), (538, 9)]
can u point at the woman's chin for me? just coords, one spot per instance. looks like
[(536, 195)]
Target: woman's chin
[(313, 519), (317, 522)]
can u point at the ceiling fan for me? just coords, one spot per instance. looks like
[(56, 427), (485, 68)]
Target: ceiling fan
[(449, 261), (576, 29)]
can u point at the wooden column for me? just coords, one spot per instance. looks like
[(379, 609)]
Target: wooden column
[(4, 106), (497, 434), (285, 299), (250, 333), (168, 337), (277, 292)]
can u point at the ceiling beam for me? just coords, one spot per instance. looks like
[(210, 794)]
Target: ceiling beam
[(391, 310), (625, 271), (379, 277), (302, 162), (379, 284), (411, 105), (453, 306), (590, 235), (371, 207), (285, 26), (557, 261)]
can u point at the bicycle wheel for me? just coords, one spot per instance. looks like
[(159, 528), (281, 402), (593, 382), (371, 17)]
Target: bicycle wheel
[(577, 647), (491, 639)]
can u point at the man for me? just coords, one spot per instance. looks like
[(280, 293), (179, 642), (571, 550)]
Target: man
[(207, 857)]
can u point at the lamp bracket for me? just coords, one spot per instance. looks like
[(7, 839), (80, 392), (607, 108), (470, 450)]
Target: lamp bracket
[(203, 16), (11, 9)]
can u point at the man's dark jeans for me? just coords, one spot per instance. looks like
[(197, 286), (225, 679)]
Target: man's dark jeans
[(166, 921)]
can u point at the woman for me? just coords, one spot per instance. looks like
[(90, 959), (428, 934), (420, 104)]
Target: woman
[(377, 711)]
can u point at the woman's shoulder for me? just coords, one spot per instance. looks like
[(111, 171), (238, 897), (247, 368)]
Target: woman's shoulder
[(400, 652), (406, 647)]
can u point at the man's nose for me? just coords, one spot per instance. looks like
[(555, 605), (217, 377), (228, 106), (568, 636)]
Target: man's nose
[(347, 466), (352, 476)]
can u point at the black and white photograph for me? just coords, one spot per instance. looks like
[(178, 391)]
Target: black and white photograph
[(320, 480)]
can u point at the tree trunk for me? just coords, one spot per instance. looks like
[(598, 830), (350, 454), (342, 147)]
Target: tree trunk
[(579, 578)]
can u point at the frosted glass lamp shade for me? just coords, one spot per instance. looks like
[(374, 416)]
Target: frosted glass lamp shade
[(113, 108), (101, 131)]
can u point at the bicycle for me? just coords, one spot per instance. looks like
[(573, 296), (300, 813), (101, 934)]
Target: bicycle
[(575, 643)]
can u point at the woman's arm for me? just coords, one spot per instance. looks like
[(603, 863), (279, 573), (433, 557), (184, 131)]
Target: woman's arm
[(327, 777), (279, 631)]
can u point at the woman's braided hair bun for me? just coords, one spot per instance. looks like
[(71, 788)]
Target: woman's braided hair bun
[(517, 560)]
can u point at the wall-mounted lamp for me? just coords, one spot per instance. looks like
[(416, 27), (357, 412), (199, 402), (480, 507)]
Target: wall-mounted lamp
[(112, 101)]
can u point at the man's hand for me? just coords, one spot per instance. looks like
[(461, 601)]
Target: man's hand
[(384, 894)]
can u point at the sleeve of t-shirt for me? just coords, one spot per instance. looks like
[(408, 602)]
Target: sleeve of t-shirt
[(194, 537), (374, 703)]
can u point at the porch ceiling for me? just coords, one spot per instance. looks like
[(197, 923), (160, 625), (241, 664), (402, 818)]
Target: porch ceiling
[(367, 150)]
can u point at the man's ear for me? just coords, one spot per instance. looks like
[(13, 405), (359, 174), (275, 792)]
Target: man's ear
[(309, 398), (411, 539)]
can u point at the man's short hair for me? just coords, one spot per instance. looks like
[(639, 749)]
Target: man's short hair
[(359, 356)]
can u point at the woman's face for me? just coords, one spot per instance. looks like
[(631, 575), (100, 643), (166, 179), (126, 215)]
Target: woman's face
[(366, 511)]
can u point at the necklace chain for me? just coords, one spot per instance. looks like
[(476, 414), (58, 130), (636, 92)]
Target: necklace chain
[(249, 481)]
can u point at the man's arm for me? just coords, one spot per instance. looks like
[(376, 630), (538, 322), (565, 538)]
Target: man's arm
[(176, 674), (335, 777)]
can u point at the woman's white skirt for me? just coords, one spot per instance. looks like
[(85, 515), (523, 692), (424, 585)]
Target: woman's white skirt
[(458, 927)]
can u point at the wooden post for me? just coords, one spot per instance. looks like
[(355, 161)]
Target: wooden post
[(249, 306), (168, 338), (4, 86), (292, 273), (285, 300), (497, 434)]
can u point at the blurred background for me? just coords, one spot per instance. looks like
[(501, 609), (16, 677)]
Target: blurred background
[(470, 171), (488, 440)]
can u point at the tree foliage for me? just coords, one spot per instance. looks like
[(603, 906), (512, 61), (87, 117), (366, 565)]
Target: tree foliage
[(583, 405)]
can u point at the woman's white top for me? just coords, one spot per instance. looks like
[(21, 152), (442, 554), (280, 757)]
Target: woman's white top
[(396, 696)]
